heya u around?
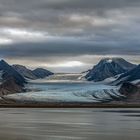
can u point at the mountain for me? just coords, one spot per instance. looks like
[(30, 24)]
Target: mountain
[(7, 71), (41, 73), (131, 92), (129, 76), (25, 72), (108, 67), (12, 78), (10, 86), (32, 74)]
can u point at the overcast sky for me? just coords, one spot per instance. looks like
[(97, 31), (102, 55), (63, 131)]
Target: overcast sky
[(68, 35)]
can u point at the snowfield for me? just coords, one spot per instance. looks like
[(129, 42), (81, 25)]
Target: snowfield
[(67, 92)]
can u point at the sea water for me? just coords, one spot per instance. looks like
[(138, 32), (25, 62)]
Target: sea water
[(69, 124)]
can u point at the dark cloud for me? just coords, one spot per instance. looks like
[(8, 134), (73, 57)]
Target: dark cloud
[(69, 48), (54, 29), (47, 13), (65, 4)]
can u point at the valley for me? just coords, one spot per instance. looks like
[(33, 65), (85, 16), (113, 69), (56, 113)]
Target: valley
[(23, 86)]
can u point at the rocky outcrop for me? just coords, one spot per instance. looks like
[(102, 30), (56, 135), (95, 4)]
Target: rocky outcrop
[(108, 67), (130, 91), (10, 86)]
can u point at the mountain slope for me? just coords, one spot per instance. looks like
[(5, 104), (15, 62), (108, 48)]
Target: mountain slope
[(130, 91), (129, 76), (32, 74), (8, 71), (108, 67), (41, 73), (9, 86), (27, 73)]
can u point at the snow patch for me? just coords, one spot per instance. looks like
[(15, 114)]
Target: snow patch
[(109, 61), (136, 81)]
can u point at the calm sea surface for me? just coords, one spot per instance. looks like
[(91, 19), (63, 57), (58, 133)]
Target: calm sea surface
[(69, 124)]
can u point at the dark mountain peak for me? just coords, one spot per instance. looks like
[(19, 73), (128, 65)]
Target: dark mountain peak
[(18, 66), (24, 71), (41, 70), (32, 74), (4, 65), (118, 60), (9, 71), (108, 59), (42, 73), (3, 62), (108, 67)]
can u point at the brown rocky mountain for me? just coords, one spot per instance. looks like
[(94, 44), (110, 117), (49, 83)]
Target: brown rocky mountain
[(131, 91), (10, 86)]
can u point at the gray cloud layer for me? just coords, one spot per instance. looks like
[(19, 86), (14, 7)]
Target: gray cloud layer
[(68, 48), (69, 28)]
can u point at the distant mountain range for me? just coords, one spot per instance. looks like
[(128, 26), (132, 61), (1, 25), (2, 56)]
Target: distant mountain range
[(108, 67), (13, 78), (32, 74)]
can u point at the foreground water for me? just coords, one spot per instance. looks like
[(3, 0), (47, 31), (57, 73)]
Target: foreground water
[(69, 124)]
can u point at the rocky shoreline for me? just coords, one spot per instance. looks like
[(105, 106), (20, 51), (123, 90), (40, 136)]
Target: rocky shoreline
[(12, 104)]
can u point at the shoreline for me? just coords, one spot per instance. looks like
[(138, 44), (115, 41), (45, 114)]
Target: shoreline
[(68, 105)]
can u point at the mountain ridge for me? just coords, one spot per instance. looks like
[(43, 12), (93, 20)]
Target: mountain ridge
[(129, 76), (108, 67), (8, 71), (32, 74)]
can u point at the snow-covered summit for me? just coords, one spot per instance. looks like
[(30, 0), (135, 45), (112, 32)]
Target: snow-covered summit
[(108, 67)]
